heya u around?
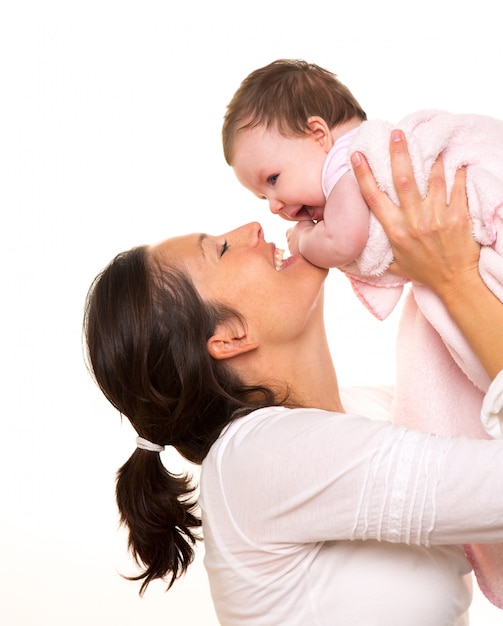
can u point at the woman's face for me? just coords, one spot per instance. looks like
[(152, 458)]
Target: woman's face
[(241, 270)]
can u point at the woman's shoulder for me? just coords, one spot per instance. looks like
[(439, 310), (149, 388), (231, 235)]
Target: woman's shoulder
[(264, 423), (264, 429), (275, 430)]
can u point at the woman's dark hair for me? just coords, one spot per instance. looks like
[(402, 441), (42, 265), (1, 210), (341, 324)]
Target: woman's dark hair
[(284, 95), (146, 330)]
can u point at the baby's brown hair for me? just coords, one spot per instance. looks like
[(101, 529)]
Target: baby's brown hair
[(284, 95)]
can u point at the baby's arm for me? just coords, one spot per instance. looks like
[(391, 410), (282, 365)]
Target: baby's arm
[(339, 238)]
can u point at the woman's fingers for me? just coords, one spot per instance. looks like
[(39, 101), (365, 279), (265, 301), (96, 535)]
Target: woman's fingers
[(431, 236), (402, 172), (409, 197), (459, 199), (379, 202), (436, 182)]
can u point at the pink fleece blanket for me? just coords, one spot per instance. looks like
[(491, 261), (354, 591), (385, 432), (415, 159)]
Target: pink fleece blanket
[(440, 382)]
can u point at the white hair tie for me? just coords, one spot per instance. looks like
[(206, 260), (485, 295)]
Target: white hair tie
[(145, 444)]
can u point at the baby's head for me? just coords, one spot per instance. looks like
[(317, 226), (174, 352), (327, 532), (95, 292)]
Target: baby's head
[(284, 95)]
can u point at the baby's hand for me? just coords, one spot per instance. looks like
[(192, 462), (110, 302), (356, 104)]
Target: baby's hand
[(294, 235), (293, 240)]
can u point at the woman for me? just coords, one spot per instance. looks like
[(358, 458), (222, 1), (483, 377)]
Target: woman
[(307, 511)]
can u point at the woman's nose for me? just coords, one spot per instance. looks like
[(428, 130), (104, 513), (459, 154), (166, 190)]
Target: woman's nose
[(247, 235), (254, 233)]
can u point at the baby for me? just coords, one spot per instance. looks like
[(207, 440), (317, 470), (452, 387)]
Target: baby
[(288, 133)]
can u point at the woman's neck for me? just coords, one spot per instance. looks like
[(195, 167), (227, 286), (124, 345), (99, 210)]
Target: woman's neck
[(304, 375), (316, 382)]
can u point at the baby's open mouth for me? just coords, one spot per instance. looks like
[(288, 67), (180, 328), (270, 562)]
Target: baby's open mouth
[(305, 213)]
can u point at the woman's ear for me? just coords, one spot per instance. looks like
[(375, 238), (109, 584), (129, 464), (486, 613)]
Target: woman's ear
[(320, 132), (230, 340)]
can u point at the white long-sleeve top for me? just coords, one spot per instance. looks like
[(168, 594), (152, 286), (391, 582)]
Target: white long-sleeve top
[(319, 518)]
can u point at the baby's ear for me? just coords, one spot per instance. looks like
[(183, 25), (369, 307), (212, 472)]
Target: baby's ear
[(319, 130), (229, 340)]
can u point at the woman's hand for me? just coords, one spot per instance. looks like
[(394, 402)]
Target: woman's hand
[(433, 244), (431, 239)]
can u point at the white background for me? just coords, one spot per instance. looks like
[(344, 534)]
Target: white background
[(110, 137)]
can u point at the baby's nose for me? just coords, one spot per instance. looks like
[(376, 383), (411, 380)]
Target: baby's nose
[(275, 206)]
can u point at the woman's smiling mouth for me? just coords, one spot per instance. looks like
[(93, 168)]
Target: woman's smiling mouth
[(280, 262)]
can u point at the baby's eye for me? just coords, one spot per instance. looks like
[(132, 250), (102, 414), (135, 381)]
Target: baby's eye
[(272, 180), (224, 248)]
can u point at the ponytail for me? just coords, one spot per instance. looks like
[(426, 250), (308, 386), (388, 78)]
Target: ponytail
[(155, 507)]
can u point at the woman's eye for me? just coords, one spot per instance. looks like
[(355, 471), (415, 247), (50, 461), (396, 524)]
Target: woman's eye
[(224, 248), (273, 179)]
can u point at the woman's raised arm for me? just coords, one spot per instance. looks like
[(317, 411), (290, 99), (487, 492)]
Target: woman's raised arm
[(432, 243)]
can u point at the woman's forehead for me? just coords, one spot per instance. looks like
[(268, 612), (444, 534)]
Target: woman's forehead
[(180, 247)]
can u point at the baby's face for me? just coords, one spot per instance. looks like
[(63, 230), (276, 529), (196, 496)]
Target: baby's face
[(285, 171)]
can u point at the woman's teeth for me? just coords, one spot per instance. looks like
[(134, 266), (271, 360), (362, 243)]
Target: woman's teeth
[(278, 258)]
